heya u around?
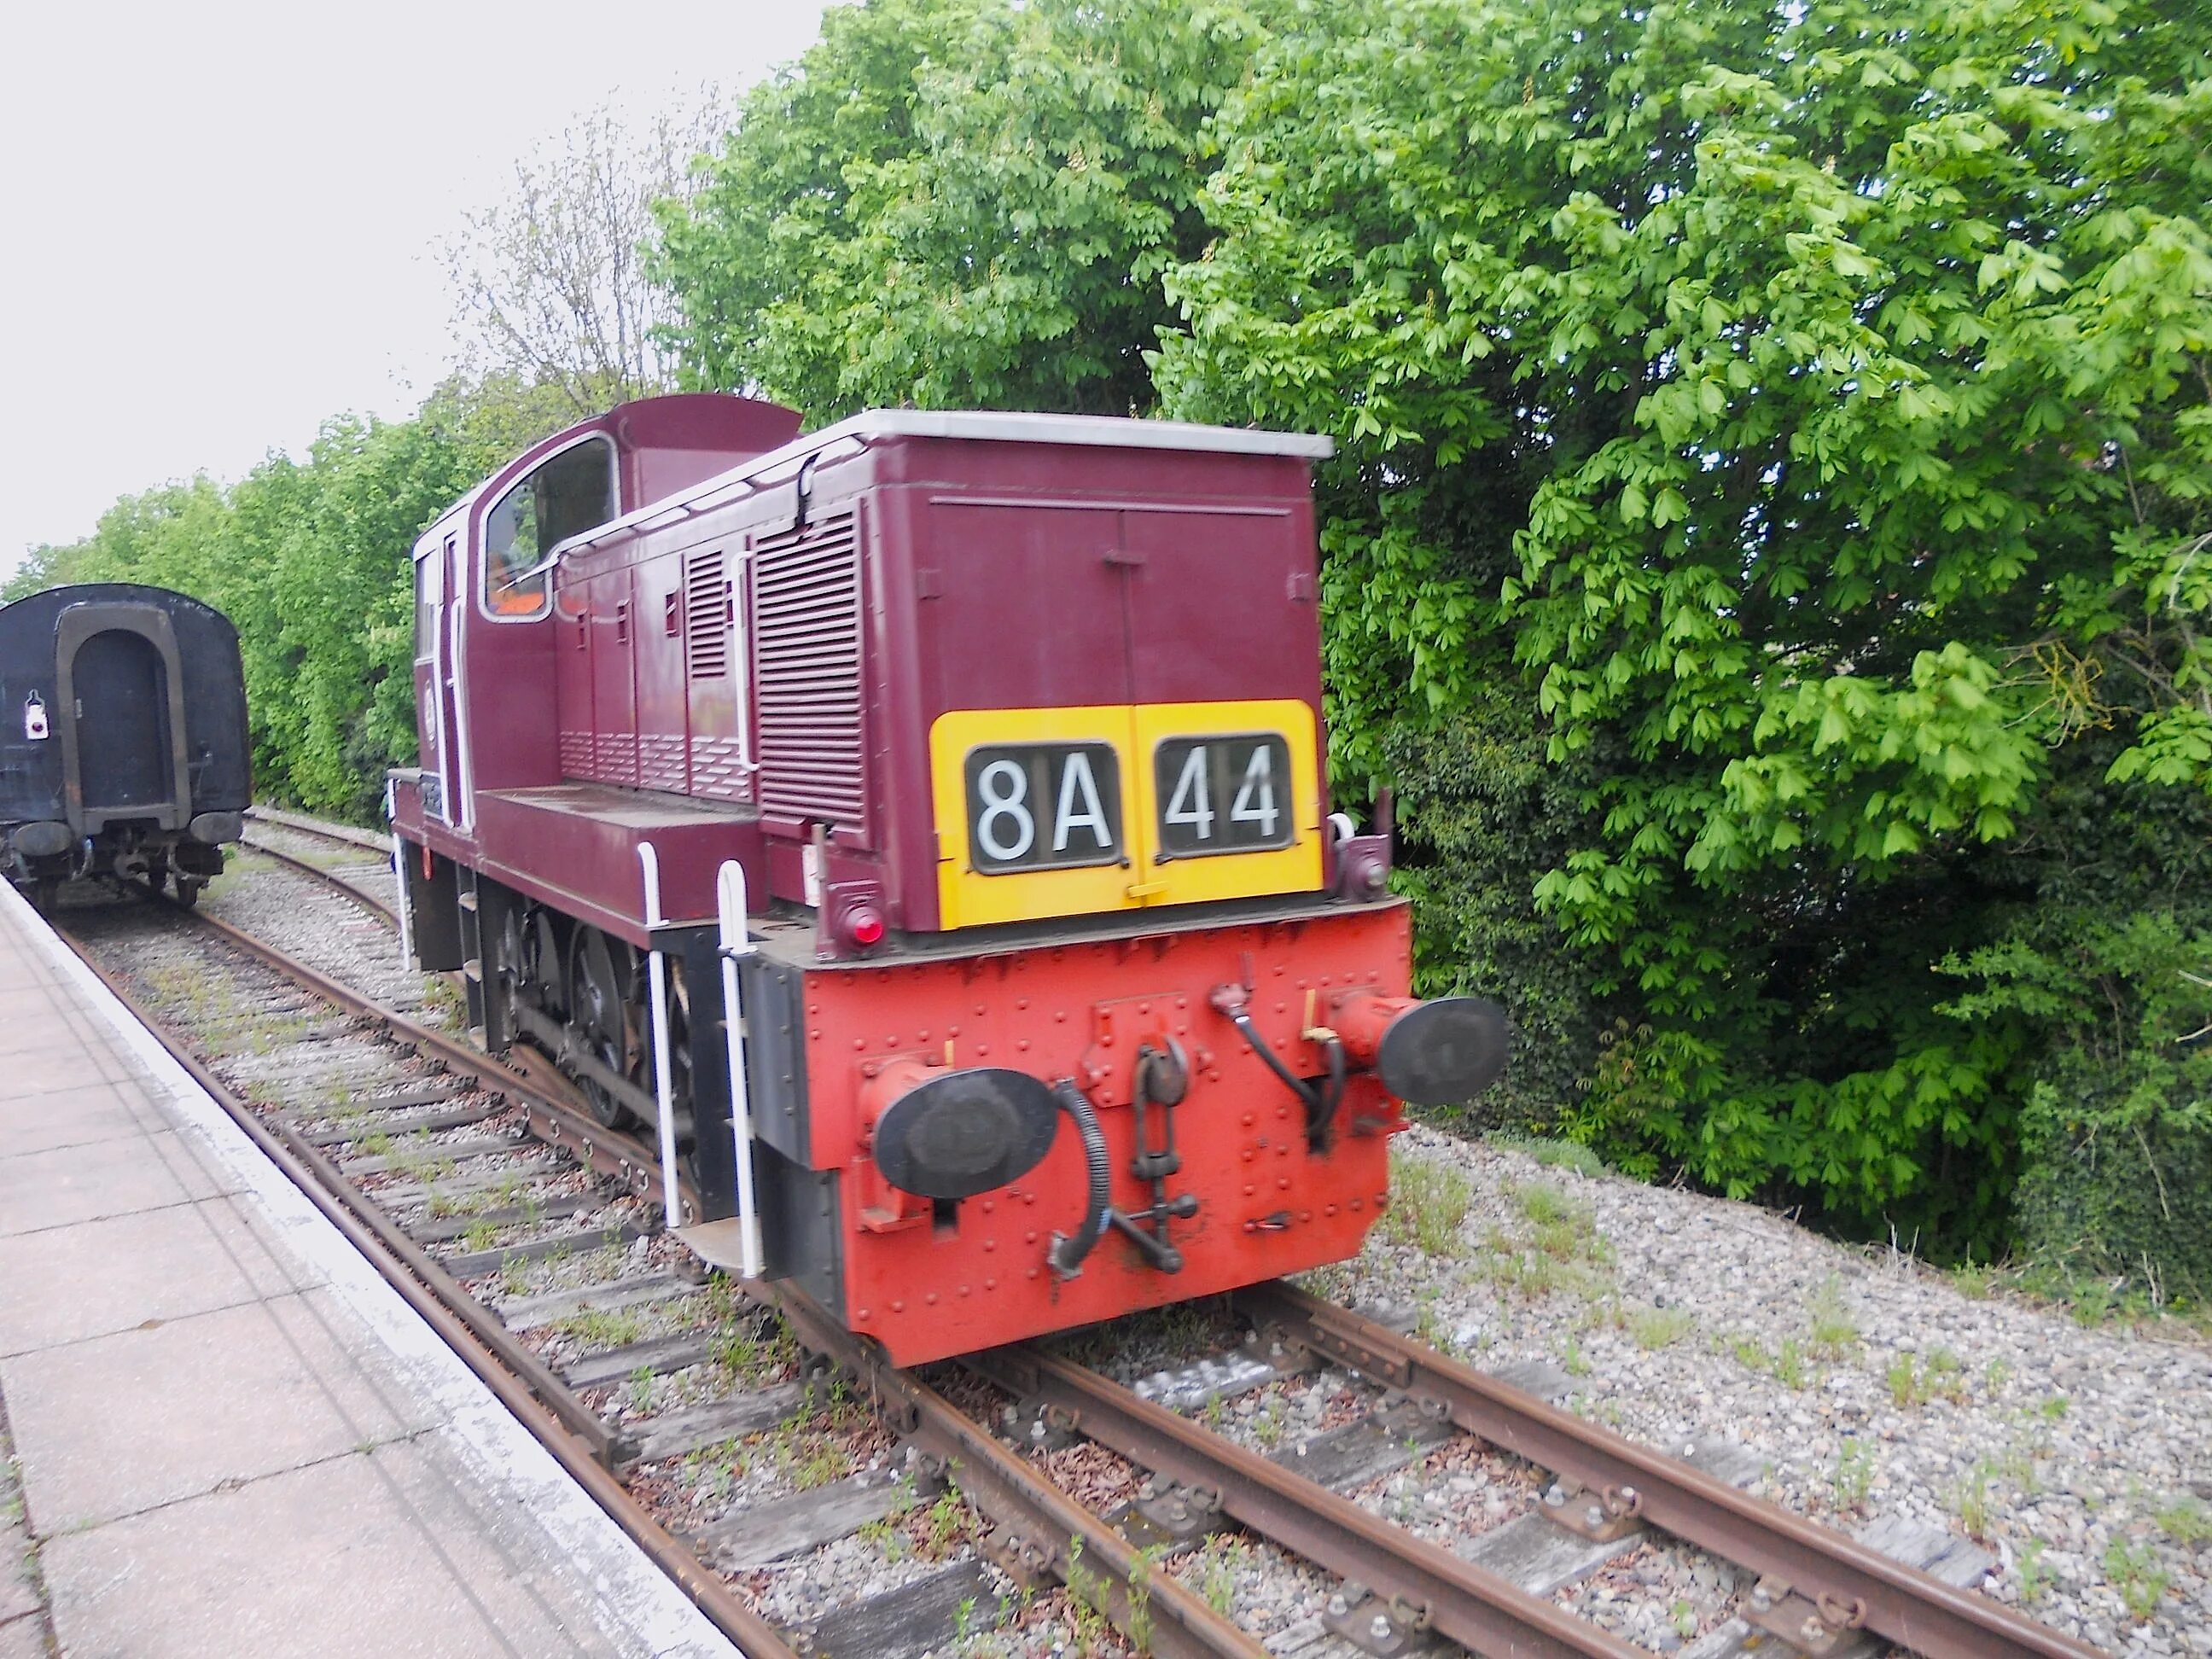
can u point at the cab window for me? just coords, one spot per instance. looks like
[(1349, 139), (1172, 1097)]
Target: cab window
[(429, 568), (570, 494)]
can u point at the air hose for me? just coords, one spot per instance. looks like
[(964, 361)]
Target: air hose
[(1067, 1253), (1296, 1085), (1321, 1103), (1320, 1126)]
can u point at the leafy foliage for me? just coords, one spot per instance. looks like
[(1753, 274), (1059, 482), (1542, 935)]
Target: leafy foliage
[(956, 203), (2101, 990), (1814, 401), (309, 559), (1768, 546)]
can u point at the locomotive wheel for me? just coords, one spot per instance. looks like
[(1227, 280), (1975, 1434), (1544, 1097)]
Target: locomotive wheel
[(540, 964), (596, 1017), (507, 972)]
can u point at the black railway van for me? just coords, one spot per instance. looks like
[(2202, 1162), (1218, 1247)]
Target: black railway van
[(123, 741)]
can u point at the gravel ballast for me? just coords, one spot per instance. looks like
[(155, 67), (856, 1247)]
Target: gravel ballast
[(1869, 1385)]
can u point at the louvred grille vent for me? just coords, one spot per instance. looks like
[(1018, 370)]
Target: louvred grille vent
[(806, 671), (706, 616)]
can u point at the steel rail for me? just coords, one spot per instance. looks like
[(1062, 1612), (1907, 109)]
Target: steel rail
[(1047, 1532), (609, 1151), (345, 889), (1808, 1570), (1053, 1535), (574, 1128), (441, 1305), (1474, 1607), (345, 834)]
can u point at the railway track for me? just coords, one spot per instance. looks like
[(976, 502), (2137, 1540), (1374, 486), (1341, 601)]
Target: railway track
[(519, 1226), (354, 862), (514, 1223)]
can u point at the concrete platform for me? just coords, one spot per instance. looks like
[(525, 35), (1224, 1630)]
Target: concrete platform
[(229, 1435)]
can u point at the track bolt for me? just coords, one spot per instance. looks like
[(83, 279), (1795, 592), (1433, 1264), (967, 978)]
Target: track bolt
[(1336, 1607), (1761, 1599), (1813, 1630), (1036, 1429), (1151, 1489), (1594, 1515), (1555, 1495), (1379, 1627), (1628, 1496)]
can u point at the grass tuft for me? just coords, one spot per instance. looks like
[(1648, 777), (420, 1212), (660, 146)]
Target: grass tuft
[(1429, 1204)]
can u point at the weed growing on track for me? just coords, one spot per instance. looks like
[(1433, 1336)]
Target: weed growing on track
[(1833, 1333), (1915, 1381), (1562, 1249), (1854, 1476), (1652, 1328), (1552, 1154), (597, 1328), (2187, 1521), (1971, 1499), (2133, 1570), (1220, 1562), (1429, 1204)]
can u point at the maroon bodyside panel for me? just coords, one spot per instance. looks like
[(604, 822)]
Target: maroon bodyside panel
[(991, 573), (614, 687), (555, 698), (714, 668), (571, 632), (663, 739)]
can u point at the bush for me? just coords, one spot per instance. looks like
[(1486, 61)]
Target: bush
[(1481, 814), (2132, 1202)]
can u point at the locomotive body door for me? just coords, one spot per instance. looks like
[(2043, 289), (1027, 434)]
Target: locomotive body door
[(437, 617), (452, 753), (1024, 645), (657, 638), (429, 718), (614, 685), (1224, 648)]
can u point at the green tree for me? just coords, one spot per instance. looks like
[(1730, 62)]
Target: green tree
[(310, 561), (1808, 406), (958, 203)]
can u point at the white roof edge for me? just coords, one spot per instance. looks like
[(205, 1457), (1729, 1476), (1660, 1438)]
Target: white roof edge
[(1103, 431), (1096, 431)]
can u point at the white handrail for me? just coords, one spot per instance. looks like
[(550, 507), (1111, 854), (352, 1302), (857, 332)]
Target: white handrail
[(648, 857), (730, 914), (399, 878)]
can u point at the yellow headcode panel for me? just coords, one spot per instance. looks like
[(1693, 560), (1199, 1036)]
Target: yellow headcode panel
[(1045, 812)]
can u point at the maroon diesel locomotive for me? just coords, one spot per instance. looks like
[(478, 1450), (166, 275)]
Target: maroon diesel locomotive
[(919, 826)]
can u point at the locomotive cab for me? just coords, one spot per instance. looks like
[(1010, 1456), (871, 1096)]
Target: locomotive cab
[(1062, 993)]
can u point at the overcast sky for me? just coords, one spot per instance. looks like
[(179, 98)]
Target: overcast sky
[(218, 221)]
